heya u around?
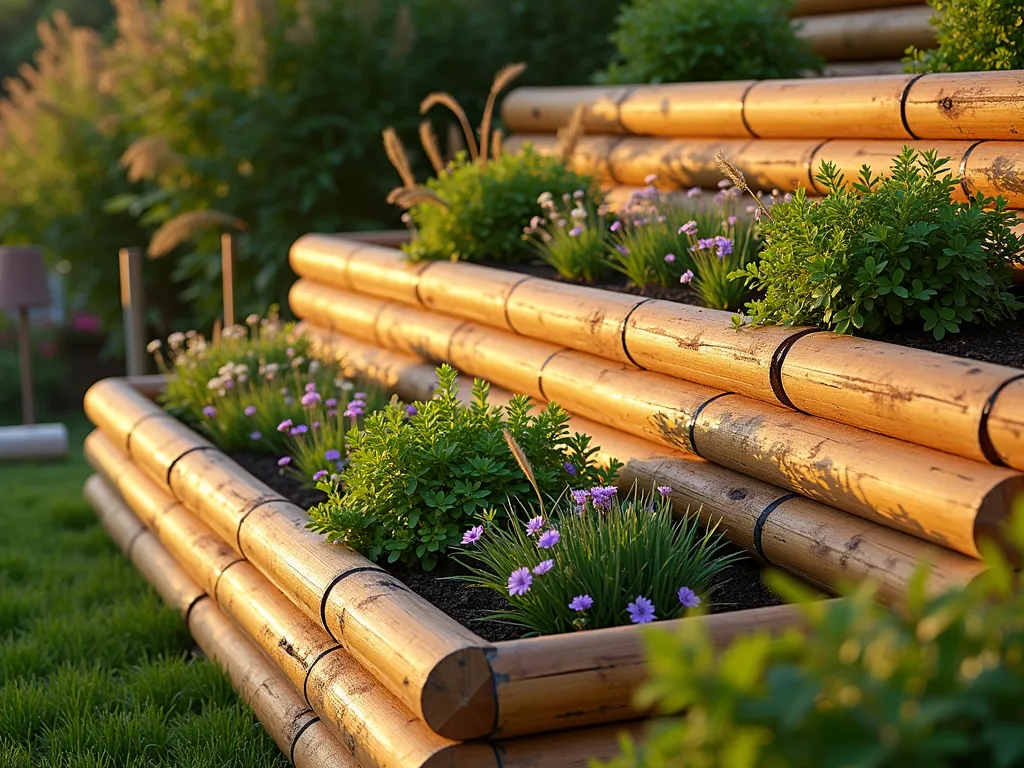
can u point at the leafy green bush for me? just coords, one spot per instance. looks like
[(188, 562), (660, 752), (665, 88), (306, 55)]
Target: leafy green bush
[(973, 35), (596, 562), (572, 238), (414, 481), (941, 684), (662, 41), (886, 251)]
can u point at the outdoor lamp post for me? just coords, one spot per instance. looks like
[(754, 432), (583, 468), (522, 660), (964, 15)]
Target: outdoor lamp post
[(23, 284)]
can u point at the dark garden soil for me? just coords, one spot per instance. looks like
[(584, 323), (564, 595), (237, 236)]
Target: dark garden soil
[(738, 587), (1002, 344)]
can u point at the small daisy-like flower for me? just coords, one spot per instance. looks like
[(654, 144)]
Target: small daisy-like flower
[(688, 598), (641, 611), (284, 461), (787, 198), (689, 228), (581, 603), (723, 246), (686, 277), (255, 435), (534, 526), (543, 567), (297, 430), (544, 198), (472, 536), (250, 410), (670, 257), (622, 249), (616, 226), (665, 490), (693, 192), (548, 539), (332, 454), (209, 411), (519, 582), (318, 476)]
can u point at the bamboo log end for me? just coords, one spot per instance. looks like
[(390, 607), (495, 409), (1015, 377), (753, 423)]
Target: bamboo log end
[(994, 511), (458, 699), (473, 755)]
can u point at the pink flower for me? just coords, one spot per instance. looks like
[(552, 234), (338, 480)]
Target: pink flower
[(616, 226), (285, 425), (693, 192), (543, 567), (548, 539), (284, 461), (670, 257), (689, 228), (472, 536), (688, 597), (641, 611), (310, 399), (686, 277), (250, 410), (519, 582)]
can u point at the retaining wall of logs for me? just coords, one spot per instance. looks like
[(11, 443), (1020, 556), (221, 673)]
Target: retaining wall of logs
[(396, 681)]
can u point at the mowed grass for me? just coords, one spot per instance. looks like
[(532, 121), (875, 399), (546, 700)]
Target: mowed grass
[(95, 671)]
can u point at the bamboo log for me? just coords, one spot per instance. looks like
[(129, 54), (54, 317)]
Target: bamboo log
[(384, 272), (572, 315), (512, 360), (853, 107), (1002, 424), (315, 302), (115, 407), (479, 292), (815, 7), (994, 168), (545, 110), (385, 238), (405, 329), (33, 442), (323, 258), (966, 105), (156, 444), (872, 34), (861, 68)]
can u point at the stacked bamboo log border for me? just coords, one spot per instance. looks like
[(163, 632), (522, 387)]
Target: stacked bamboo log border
[(370, 656), (868, 34), (963, 407)]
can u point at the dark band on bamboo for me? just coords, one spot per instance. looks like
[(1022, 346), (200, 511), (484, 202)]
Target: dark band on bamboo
[(305, 681), (249, 511), (132, 540), (216, 584), (618, 111), (625, 322), (903, 104), (489, 654), (128, 438), (302, 730), (504, 307), (778, 358), (335, 581), (763, 518), (193, 604), (988, 448), (607, 156), (963, 169), (451, 338), (743, 109), (540, 371), (193, 449), (691, 429), (810, 163)]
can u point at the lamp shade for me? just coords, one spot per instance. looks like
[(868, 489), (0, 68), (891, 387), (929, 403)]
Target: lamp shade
[(23, 278)]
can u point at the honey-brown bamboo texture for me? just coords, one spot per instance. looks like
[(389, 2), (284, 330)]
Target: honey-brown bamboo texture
[(878, 33)]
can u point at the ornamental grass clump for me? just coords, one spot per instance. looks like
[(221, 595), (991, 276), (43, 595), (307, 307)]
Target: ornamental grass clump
[(886, 251), (418, 475), (592, 561), (938, 683), (477, 206)]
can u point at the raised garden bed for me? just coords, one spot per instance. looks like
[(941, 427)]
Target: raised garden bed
[(396, 678)]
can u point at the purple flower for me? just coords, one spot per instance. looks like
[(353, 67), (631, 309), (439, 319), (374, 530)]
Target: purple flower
[(411, 410), (332, 454), (548, 539), (689, 228), (318, 476), (670, 257), (332, 413), (724, 184), (250, 410), (665, 490), (569, 468), (576, 231), (579, 497), (641, 611), (731, 220), (331, 402), (688, 597), (704, 244), (473, 535), (603, 496), (315, 425), (723, 246), (622, 249), (209, 411), (289, 400), (310, 399), (581, 603), (311, 386), (616, 226), (255, 435), (686, 277), (284, 461), (787, 198), (519, 582), (360, 396), (301, 429), (693, 192), (284, 390), (543, 567), (534, 526)]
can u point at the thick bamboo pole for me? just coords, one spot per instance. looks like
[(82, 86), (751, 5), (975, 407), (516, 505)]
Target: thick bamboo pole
[(314, 302), (883, 33), (157, 443), (33, 442), (1002, 423), (966, 105), (861, 68), (992, 167), (823, 545), (385, 238), (385, 272), (479, 292), (323, 258), (405, 329), (815, 7), (115, 407), (287, 718)]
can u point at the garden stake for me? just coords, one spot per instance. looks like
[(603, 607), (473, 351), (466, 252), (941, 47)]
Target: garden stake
[(227, 269), (133, 310)]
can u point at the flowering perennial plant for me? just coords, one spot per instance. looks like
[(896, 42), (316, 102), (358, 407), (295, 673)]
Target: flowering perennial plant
[(596, 562), (571, 236), (416, 484)]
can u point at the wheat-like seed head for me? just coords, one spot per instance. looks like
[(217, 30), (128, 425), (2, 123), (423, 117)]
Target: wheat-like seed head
[(569, 135), (505, 76), (524, 464), (146, 157), (396, 154), (429, 141), (406, 197), (447, 100), (179, 229), (736, 177), (496, 139)]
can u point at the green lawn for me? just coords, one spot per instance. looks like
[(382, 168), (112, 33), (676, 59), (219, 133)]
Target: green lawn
[(95, 672)]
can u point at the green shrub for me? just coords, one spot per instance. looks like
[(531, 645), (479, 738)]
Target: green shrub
[(885, 252), (941, 684), (662, 41), (611, 563), (414, 481), (973, 35), (571, 237)]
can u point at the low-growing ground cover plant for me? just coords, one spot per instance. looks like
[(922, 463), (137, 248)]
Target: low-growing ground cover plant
[(257, 388), (591, 561), (886, 251), (973, 36), (939, 684), (417, 474), (477, 206)]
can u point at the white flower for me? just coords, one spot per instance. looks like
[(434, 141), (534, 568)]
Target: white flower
[(252, 320), (724, 184), (346, 386), (314, 366), (296, 362), (176, 339), (579, 194), (650, 178), (578, 214), (154, 346), (544, 199)]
